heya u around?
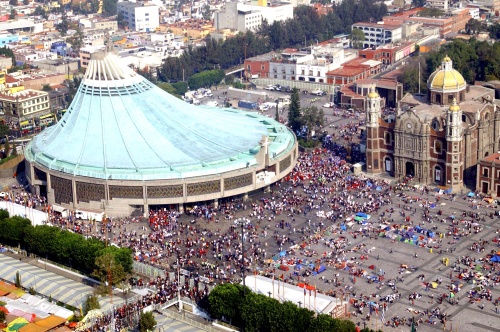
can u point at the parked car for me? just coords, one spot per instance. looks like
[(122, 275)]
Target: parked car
[(318, 93), (329, 105), (212, 103), (269, 87)]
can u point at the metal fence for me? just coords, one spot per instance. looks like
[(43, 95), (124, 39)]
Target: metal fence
[(148, 270), (310, 86)]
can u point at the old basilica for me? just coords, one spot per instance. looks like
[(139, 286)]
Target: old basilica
[(437, 138)]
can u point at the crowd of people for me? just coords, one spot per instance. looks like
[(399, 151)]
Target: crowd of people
[(304, 215)]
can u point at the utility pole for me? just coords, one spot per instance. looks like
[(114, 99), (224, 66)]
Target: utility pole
[(242, 222)]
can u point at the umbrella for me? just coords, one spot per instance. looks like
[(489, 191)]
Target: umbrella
[(434, 284)]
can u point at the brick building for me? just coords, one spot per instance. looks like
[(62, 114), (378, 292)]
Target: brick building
[(488, 179)]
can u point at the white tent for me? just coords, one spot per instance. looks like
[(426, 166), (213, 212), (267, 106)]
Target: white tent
[(36, 217), (282, 292)]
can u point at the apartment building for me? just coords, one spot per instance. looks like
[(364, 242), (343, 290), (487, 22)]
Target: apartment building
[(140, 16), (377, 34), (24, 108)]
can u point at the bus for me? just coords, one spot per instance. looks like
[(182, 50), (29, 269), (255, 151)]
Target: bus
[(47, 120)]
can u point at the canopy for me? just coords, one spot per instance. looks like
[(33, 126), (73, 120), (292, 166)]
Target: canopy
[(16, 324), (471, 194), (363, 215), (495, 259)]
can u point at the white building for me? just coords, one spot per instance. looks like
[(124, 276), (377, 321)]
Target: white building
[(439, 4), (243, 17), (377, 34), (143, 17), (474, 13), (308, 67)]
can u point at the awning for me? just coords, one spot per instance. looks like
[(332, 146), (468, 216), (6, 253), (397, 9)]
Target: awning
[(46, 116), (24, 123), (57, 208)]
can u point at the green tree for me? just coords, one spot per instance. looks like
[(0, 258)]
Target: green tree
[(120, 20), (313, 118), (2, 315), (13, 14), (63, 27), (206, 12), (4, 130), (410, 75), (147, 322), (76, 39), (122, 256), (46, 87), (17, 281), (7, 148), (109, 7), (39, 11), (294, 112), (357, 38), (108, 271), (4, 214), (91, 303), (8, 53), (225, 302), (14, 149)]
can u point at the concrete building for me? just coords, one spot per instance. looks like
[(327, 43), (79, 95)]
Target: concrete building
[(243, 17), (24, 108), (140, 16), (377, 34), (438, 139), (123, 146), (439, 4)]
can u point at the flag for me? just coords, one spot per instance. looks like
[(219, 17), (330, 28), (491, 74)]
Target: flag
[(413, 329)]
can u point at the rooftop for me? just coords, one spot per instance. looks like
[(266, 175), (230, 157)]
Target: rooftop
[(121, 126)]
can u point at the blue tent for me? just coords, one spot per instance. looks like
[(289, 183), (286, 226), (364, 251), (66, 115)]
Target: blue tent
[(343, 227), (298, 267), (362, 215), (283, 253), (432, 206), (369, 184), (471, 194), (430, 234), (447, 191), (495, 259), (321, 268)]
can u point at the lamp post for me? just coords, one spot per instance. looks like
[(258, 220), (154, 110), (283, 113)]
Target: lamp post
[(300, 304), (242, 222)]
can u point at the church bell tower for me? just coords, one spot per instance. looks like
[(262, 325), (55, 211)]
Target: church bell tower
[(454, 146), (373, 113)]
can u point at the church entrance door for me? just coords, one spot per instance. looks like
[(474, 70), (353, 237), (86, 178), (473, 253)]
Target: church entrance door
[(410, 169)]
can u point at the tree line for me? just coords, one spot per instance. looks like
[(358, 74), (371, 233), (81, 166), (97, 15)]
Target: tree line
[(253, 312), (307, 27), (475, 60), (88, 255)]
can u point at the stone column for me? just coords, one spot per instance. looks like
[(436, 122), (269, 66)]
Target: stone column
[(146, 210), (181, 208), (245, 197), (216, 203)]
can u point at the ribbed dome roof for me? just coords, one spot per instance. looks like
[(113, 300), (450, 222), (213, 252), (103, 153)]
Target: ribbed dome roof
[(121, 126), (446, 78)]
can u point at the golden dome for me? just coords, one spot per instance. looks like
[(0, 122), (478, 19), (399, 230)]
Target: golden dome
[(454, 107), (446, 78), (373, 93)]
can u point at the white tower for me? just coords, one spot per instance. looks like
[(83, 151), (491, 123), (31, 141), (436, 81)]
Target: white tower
[(373, 144), (454, 147), (373, 110)]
